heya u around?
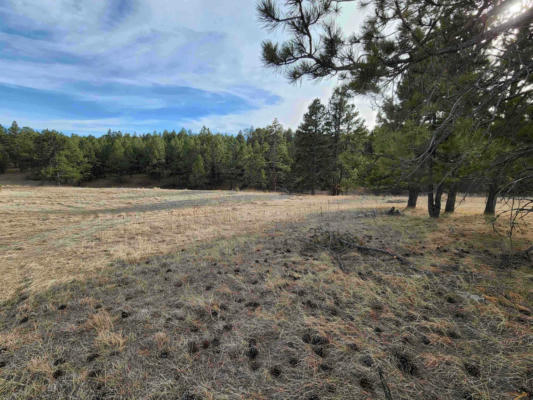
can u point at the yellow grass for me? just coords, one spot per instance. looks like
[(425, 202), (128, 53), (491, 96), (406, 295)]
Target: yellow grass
[(51, 235), (40, 365), (100, 322)]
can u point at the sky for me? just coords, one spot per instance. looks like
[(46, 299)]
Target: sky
[(86, 66)]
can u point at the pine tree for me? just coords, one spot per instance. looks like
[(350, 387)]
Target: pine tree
[(89, 147), (67, 166), (236, 168), (277, 156), (155, 155), (47, 145), (25, 148), (4, 159), (11, 145), (58, 158), (311, 149), (117, 162), (4, 153), (255, 165), (198, 177), (13, 129), (347, 137), (175, 159)]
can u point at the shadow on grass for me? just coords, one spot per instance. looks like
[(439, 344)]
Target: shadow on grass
[(262, 317)]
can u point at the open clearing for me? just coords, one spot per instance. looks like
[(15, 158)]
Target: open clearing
[(161, 294)]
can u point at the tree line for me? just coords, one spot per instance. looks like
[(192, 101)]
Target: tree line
[(455, 79), (331, 150), (319, 155)]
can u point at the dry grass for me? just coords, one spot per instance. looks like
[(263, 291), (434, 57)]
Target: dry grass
[(100, 321), (218, 295), (41, 365), (54, 234)]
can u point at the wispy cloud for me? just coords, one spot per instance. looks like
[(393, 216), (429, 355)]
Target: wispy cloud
[(141, 65)]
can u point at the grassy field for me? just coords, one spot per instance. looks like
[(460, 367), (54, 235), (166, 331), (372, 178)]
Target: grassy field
[(162, 294)]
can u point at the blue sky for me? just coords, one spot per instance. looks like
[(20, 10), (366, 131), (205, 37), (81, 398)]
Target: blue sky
[(85, 66)]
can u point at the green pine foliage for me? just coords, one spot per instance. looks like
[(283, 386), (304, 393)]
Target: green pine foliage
[(325, 153), (347, 142), (311, 150), (4, 152), (256, 159), (4, 159), (198, 177)]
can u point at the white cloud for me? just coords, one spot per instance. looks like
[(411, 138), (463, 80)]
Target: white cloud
[(206, 44)]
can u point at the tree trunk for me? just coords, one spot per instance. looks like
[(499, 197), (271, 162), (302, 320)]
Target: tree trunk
[(450, 201), (336, 170), (492, 197), (335, 190), (434, 200), (413, 197), (313, 174)]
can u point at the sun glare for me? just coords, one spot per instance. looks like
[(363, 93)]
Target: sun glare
[(515, 8)]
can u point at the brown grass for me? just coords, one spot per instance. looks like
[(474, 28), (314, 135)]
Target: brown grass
[(40, 365), (100, 321), (238, 270), (55, 234)]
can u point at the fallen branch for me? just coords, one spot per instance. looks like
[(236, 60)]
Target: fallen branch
[(401, 259), (336, 244), (386, 389)]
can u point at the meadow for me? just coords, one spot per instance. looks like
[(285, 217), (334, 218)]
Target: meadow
[(121, 293)]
